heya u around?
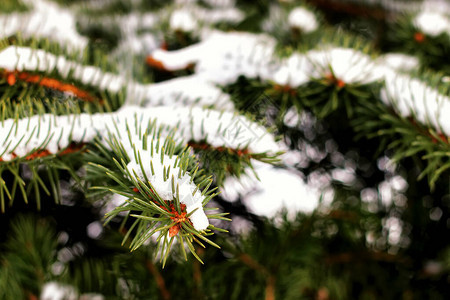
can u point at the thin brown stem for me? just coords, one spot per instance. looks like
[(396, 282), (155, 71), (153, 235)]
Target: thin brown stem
[(159, 280), (270, 279), (270, 288)]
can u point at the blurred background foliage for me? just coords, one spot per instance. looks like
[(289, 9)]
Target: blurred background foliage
[(379, 232)]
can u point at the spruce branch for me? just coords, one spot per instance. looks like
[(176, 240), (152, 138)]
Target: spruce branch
[(29, 73), (153, 155), (407, 138), (158, 189)]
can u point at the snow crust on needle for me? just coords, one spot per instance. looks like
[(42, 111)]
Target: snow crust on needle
[(182, 91), (164, 187), (28, 59)]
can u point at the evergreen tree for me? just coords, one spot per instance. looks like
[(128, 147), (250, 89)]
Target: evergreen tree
[(147, 148)]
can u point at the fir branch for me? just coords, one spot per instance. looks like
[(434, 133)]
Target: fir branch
[(162, 204), (225, 161), (140, 154), (63, 64), (44, 169)]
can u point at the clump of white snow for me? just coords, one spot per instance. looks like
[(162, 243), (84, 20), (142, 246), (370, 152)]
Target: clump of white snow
[(154, 170), (432, 23), (346, 64), (303, 20)]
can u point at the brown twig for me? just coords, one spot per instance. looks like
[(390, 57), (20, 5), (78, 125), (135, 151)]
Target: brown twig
[(270, 279), (72, 148), (205, 146), (32, 296), (159, 280), (270, 288), (13, 76)]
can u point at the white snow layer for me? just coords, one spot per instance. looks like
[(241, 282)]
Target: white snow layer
[(135, 38), (432, 23), (219, 129)]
